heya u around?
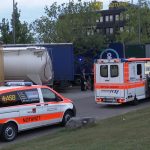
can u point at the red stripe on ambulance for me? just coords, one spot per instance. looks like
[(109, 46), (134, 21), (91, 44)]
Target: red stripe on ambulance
[(33, 118)]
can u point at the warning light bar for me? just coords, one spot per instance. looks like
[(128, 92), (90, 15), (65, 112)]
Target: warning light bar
[(18, 83), (121, 60)]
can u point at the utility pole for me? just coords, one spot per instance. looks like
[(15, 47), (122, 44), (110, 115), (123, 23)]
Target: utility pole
[(14, 30), (139, 22), (1, 65), (131, 1)]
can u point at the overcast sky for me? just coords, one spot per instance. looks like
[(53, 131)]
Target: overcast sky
[(33, 9)]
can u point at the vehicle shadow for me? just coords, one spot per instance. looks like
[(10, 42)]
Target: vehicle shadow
[(127, 105), (31, 134)]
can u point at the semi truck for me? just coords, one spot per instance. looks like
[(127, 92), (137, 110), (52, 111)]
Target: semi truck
[(61, 56)]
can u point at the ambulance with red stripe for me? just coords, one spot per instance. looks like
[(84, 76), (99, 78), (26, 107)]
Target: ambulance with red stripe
[(118, 81), (27, 106)]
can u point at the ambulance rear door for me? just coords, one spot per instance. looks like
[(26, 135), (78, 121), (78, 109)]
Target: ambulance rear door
[(109, 73), (109, 77)]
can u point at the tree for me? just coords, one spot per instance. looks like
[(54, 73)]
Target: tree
[(45, 27), (70, 22), (137, 28), (6, 34), (22, 30)]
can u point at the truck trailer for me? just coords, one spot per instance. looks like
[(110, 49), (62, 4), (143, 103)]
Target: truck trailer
[(62, 58), (27, 64)]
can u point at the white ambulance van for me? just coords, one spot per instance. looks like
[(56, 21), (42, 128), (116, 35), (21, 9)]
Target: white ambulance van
[(27, 106), (118, 81)]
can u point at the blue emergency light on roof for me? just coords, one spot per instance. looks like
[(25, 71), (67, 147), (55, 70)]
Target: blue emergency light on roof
[(80, 59), (18, 83)]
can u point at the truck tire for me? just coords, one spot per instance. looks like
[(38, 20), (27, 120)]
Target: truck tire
[(67, 116), (9, 132)]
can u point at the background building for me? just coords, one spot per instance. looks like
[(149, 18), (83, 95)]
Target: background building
[(111, 21)]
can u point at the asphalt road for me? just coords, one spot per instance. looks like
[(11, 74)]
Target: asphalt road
[(86, 107)]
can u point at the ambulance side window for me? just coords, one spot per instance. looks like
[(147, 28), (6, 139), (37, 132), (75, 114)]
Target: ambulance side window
[(139, 69), (29, 96), (19, 98), (48, 95), (104, 70), (114, 72), (9, 99)]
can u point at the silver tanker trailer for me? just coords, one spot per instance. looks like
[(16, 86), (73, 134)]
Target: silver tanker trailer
[(28, 64)]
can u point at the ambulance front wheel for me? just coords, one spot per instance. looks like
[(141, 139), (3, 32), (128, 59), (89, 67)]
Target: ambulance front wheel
[(67, 116), (9, 132)]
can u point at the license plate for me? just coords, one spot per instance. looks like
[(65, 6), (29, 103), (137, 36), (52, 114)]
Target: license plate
[(109, 100)]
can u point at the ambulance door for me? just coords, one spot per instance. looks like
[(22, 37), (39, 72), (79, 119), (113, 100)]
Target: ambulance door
[(137, 71), (140, 78), (132, 79), (136, 77), (102, 73), (115, 73), (109, 73), (140, 71), (51, 106), (31, 108), (132, 72)]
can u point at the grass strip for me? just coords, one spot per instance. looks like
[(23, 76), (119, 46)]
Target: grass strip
[(130, 131)]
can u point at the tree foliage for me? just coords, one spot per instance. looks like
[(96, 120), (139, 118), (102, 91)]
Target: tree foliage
[(6, 35), (69, 22), (23, 32), (137, 28)]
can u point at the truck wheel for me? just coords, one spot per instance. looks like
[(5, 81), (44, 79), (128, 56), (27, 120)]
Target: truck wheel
[(67, 116), (9, 132)]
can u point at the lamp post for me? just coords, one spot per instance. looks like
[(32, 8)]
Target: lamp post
[(131, 1), (139, 22), (1, 64), (14, 30)]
